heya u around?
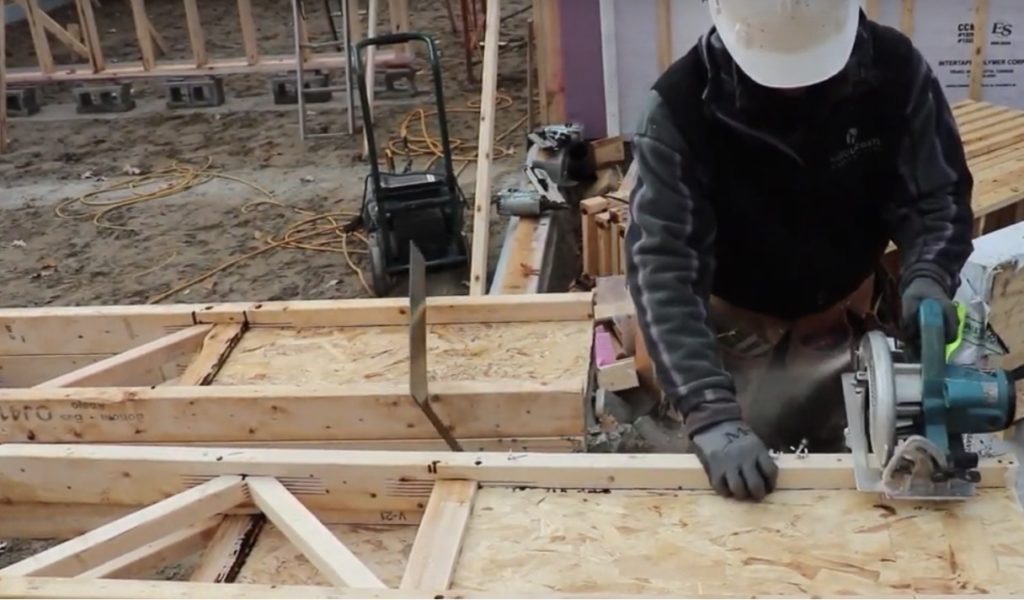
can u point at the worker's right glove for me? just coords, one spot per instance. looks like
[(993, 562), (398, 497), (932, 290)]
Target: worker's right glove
[(736, 461)]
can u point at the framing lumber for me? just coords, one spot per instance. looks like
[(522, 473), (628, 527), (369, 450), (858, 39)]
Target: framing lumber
[(63, 35), (343, 480), (226, 553), (125, 368), (38, 33), (110, 541), (978, 51), (439, 538), (154, 555), (91, 35), (188, 414), (335, 561), (528, 508), (907, 18), (248, 25), (225, 66), (216, 348), (197, 38), (142, 32), (485, 157), (664, 15)]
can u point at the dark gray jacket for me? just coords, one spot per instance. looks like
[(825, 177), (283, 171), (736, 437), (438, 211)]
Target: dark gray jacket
[(785, 206)]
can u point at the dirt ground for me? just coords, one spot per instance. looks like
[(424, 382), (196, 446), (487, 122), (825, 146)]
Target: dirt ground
[(57, 156)]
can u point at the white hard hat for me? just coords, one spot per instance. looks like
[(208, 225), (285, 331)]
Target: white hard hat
[(788, 43)]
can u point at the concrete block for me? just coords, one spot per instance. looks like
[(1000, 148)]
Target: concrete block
[(198, 92), (283, 88), (22, 101), (93, 99)]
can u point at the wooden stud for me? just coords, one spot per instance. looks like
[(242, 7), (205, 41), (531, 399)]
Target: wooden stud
[(226, 553), (216, 348), (197, 38), (346, 480), (978, 51), (374, 411), (158, 39), (143, 34), (979, 226), (482, 197), (248, 24), (664, 34), (604, 244), (907, 18), (356, 25), (114, 539), (589, 209), (91, 35), (334, 560), (42, 45), (549, 17), (63, 35), (125, 368), (154, 555), (398, 15), (438, 542)]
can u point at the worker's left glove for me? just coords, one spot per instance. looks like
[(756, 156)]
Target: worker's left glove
[(919, 290), (736, 461)]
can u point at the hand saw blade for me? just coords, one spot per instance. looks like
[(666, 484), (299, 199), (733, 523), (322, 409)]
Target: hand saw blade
[(418, 387)]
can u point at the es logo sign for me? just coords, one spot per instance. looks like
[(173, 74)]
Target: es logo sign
[(1001, 30)]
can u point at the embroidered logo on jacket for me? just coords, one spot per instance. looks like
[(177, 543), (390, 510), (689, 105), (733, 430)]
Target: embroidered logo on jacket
[(855, 148)]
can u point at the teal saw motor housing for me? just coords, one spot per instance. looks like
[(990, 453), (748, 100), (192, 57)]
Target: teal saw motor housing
[(958, 400)]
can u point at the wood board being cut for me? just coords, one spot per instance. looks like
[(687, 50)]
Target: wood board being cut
[(493, 525), (506, 373)]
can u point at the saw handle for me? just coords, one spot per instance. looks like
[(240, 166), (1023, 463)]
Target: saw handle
[(933, 347)]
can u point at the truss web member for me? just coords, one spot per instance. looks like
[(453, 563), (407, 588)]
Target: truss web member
[(777, 160)]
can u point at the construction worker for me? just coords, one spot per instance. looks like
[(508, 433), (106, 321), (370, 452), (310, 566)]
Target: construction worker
[(777, 160)]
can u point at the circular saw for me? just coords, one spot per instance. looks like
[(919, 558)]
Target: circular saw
[(906, 420)]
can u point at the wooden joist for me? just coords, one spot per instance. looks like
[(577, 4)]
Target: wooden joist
[(439, 538)]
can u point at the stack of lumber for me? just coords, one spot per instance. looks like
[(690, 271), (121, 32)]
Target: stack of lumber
[(993, 139), (506, 373), (603, 223)]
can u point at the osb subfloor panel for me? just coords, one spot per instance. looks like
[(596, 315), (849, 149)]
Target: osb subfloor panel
[(514, 352), (384, 549), (797, 543)]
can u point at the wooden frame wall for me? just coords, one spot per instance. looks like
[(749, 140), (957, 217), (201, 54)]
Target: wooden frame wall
[(151, 42), (97, 391), (159, 504)]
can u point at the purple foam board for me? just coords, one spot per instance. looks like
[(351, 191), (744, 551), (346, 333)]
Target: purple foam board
[(583, 67)]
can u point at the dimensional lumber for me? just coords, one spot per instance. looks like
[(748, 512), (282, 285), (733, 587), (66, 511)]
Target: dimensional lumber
[(993, 138), (555, 525), (485, 153), (150, 40), (506, 375)]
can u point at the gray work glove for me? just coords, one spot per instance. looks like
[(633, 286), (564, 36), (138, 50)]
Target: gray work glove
[(736, 461), (917, 292)]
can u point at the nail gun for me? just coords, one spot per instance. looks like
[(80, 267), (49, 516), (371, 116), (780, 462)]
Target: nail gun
[(906, 421)]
